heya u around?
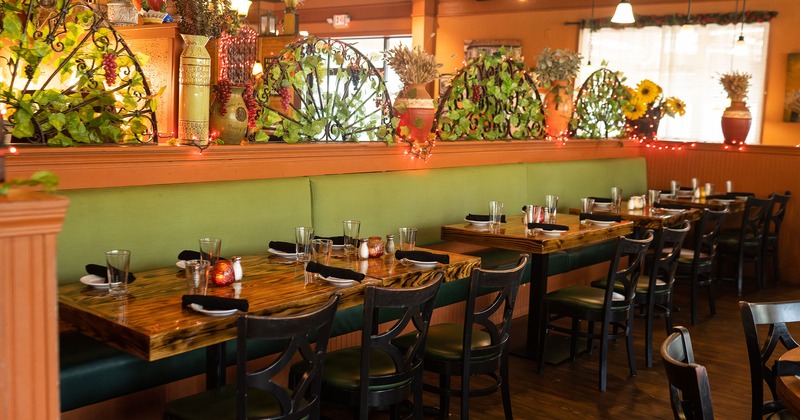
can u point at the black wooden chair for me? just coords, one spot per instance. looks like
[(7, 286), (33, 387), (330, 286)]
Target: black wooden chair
[(745, 244), (256, 393), (695, 264), (773, 229), (480, 345), (760, 350), (379, 373), (605, 306), (689, 392)]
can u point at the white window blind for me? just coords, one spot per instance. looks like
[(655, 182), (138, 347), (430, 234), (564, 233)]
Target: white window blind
[(686, 65)]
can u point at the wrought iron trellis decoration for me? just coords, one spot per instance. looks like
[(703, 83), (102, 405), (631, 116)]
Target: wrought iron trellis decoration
[(598, 107), (329, 91), (68, 77)]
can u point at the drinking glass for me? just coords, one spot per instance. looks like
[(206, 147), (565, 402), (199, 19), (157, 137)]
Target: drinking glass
[(729, 186), (118, 263), (209, 249), (674, 187), (495, 214), (550, 208), (616, 198), (302, 240), (652, 197), (709, 189), (350, 230), (196, 276), (408, 238), (586, 205), (321, 250), (695, 184)]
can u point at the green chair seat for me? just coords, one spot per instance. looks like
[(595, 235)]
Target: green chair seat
[(342, 368), (730, 242), (687, 256), (445, 341), (641, 285), (220, 404), (585, 297)]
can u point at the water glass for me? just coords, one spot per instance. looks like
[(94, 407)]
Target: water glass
[(674, 187), (550, 208), (729, 186), (652, 197), (616, 198), (495, 214), (695, 184), (408, 238), (196, 276), (118, 263), (586, 205), (350, 230), (302, 240), (209, 249), (709, 188), (321, 250)]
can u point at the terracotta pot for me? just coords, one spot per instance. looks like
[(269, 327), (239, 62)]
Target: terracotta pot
[(736, 121), (194, 91), (416, 113), (558, 108), (291, 22), (231, 127)]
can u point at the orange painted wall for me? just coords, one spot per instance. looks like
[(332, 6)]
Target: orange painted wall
[(546, 28)]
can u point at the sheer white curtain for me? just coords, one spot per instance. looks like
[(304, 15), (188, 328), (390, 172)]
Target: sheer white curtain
[(686, 65)]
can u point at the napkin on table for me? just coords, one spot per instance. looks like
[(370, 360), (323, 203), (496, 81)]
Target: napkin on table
[(337, 240), (483, 218), (601, 199), (670, 206), (287, 247), (600, 217), (189, 254), (215, 303), (547, 226), (102, 271), (424, 256), (328, 271)]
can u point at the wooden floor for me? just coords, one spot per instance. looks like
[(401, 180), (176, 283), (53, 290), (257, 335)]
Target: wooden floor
[(570, 390)]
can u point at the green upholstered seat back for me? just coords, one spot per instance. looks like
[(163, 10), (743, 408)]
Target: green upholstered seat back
[(157, 222)]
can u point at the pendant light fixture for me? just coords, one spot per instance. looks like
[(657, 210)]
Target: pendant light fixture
[(740, 41), (591, 35), (624, 13), (688, 25)]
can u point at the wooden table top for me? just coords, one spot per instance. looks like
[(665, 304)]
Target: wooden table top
[(516, 236), (649, 217), (149, 321), (733, 206), (788, 387)]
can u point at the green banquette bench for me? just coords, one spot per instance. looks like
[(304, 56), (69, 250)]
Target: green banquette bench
[(157, 222)]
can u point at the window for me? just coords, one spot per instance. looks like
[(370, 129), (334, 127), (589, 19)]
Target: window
[(686, 64), (373, 48)]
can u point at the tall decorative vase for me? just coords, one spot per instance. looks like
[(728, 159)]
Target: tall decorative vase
[(231, 127), (195, 91), (736, 121), (416, 112), (558, 109), (291, 22)]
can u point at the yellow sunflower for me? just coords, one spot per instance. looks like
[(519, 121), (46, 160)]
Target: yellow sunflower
[(634, 109), (675, 106), (648, 91)]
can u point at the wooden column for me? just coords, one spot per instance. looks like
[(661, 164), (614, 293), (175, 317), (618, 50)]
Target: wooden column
[(423, 28), (29, 223)]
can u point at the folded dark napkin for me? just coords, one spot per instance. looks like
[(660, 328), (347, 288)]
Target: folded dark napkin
[(735, 194), (601, 199), (215, 303), (102, 271), (483, 218), (422, 256), (337, 240), (189, 254), (287, 247), (720, 197), (670, 206), (547, 226), (328, 271), (600, 217), (786, 367)]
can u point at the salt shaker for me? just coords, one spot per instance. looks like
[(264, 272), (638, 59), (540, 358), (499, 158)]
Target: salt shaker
[(237, 268), (389, 247), (363, 250)]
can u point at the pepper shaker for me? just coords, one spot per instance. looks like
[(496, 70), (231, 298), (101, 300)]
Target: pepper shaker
[(389, 247)]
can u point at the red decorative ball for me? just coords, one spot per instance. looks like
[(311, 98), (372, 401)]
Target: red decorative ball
[(222, 273)]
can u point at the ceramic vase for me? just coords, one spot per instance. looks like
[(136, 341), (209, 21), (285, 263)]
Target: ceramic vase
[(194, 91), (291, 22), (736, 121), (645, 127), (231, 127), (558, 108), (416, 112)]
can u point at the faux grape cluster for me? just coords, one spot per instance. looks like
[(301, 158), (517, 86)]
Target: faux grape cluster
[(250, 102), (477, 92), (110, 66), (286, 98), (223, 92)]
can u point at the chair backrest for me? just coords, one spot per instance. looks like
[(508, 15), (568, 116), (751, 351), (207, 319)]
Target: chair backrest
[(760, 350), (506, 284), (754, 220), (776, 213), (304, 399), (706, 233), (625, 275), (416, 308), (689, 392), (665, 264)]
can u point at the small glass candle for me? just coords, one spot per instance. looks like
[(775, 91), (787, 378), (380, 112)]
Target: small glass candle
[(375, 246)]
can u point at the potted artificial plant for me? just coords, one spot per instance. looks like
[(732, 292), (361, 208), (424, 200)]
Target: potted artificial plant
[(736, 118), (556, 71), (414, 105)]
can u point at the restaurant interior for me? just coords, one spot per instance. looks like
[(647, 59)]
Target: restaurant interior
[(608, 196)]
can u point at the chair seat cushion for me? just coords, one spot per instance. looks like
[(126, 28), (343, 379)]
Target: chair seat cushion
[(585, 297), (730, 242), (445, 341), (641, 286), (221, 404), (687, 256), (342, 368)]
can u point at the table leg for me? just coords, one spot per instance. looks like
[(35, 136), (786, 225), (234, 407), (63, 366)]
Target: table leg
[(215, 366), (538, 289)]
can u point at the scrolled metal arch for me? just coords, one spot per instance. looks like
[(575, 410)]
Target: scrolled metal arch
[(597, 78)]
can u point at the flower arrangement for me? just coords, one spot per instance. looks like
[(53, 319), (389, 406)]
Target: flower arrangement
[(292, 4), (646, 105), (555, 65), (206, 17), (735, 85), (413, 66)]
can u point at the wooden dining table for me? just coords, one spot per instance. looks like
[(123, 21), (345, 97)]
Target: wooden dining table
[(649, 217), (150, 322), (732, 205), (516, 236), (788, 386)]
